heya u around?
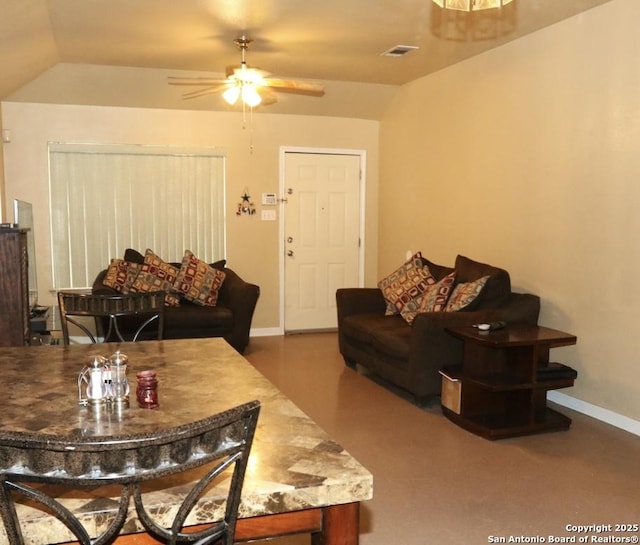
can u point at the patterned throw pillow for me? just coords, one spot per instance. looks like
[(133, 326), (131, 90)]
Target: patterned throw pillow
[(199, 282), (436, 297), (403, 288), (465, 293), (121, 274), (433, 299), (156, 275)]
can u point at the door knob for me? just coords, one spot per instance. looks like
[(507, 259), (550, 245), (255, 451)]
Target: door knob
[(290, 253)]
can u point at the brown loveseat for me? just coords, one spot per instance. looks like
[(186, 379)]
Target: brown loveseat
[(410, 356), (229, 318)]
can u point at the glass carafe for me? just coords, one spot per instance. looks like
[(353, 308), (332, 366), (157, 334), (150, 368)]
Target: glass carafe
[(93, 387), (119, 383)]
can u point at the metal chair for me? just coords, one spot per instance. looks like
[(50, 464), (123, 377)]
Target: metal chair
[(222, 441), (108, 310)]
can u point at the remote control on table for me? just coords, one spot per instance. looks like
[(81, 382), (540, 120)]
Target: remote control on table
[(490, 326)]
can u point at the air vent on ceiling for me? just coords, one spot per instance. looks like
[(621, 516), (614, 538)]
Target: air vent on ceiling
[(399, 50)]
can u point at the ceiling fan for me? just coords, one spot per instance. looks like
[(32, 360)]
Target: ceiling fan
[(249, 85)]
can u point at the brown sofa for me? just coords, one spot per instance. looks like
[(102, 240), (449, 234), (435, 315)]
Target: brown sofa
[(410, 356), (230, 318)]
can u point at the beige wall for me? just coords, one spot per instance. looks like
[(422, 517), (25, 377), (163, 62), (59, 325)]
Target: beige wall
[(527, 157), (252, 244)]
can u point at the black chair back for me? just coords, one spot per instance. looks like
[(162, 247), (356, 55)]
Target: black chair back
[(221, 442), (108, 312)]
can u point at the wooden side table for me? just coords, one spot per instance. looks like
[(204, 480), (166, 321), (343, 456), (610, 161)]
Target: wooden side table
[(500, 390)]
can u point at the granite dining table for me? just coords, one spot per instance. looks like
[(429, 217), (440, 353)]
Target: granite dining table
[(299, 480)]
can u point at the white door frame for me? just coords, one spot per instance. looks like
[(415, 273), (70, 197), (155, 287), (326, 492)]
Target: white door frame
[(281, 204)]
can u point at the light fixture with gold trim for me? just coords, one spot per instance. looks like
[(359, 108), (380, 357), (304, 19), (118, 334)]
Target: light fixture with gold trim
[(473, 20), (471, 5), (243, 82)]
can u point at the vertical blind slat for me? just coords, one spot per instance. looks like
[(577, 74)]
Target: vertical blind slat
[(103, 203)]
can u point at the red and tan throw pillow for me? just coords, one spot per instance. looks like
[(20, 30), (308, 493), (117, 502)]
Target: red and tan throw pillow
[(433, 299), (464, 294), (156, 275), (121, 274), (199, 282), (403, 288), (436, 297)]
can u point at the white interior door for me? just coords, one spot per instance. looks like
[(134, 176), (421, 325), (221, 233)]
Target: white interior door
[(322, 236)]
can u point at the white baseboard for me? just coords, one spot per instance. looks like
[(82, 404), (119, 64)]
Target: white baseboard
[(266, 332), (604, 415)]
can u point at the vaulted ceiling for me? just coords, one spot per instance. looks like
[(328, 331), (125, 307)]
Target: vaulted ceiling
[(334, 40)]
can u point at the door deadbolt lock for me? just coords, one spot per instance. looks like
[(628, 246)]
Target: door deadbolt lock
[(289, 240)]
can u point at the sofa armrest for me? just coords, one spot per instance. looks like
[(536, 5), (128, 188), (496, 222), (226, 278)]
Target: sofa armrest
[(433, 347), (351, 301), (241, 298)]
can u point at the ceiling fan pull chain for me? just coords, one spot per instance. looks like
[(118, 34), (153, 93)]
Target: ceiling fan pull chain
[(244, 124), (244, 115), (251, 130)]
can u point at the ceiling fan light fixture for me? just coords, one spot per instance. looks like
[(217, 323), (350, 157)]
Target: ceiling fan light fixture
[(231, 95), (250, 95), (249, 76), (471, 5), (246, 85)]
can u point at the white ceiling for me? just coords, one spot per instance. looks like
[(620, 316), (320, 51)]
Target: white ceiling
[(333, 40)]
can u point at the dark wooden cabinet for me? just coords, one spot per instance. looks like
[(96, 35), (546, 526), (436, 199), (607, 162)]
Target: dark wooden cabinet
[(14, 288), (501, 388)]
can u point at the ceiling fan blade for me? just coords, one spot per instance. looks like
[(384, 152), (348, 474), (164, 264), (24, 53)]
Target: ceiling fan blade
[(175, 80), (268, 96), (210, 90), (298, 87)]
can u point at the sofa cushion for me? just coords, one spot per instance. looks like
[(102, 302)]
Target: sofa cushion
[(121, 274), (361, 327), (389, 335), (465, 294), (156, 275), (198, 282), (220, 264), (191, 320), (404, 286), (496, 291), (437, 271), (133, 256), (393, 342)]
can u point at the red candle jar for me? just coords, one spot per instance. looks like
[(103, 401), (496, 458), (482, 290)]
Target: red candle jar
[(147, 390)]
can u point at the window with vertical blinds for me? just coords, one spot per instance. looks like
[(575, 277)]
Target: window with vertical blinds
[(106, 198)]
